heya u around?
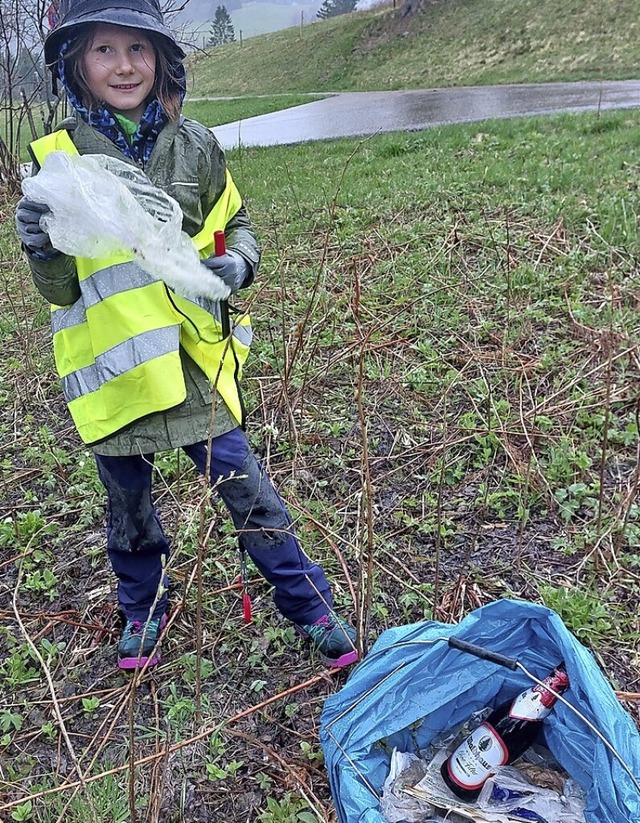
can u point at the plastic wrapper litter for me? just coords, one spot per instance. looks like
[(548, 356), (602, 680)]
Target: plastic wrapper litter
[(104, 207), (406, 769), (537, 790), (416, 793)]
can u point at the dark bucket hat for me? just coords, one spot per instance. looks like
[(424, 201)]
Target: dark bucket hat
[(135, 14)]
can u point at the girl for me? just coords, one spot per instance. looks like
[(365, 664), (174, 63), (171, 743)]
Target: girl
[(144, 370)]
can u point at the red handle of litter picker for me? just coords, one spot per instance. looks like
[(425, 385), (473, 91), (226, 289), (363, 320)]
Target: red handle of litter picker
[(246, 600), (220, 247), (219, 244)]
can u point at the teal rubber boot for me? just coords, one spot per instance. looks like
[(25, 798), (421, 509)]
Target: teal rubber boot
[(137, 646), (333, 638)]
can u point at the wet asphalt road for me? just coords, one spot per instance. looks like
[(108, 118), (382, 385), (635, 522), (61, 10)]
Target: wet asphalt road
[(352, 114)]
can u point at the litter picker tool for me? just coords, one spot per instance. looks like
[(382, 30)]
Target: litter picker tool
[(243, 580), (220, 248)]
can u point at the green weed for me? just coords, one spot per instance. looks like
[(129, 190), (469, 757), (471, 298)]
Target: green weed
[(27, 529), (43, 582), (9, 722), (189, 665), (90, 706), (17, 669), (104, 799), (218, 771), (287, 810), (584, 613), (23, 811)]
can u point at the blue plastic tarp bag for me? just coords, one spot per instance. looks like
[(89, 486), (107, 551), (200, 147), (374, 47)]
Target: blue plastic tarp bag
[(408, 689)]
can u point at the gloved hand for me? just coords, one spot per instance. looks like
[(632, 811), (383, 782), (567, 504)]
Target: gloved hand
[(230, 267), (33, 236)]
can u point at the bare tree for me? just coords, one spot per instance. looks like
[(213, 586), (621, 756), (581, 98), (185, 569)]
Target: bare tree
[(27, 105), (171, 9)]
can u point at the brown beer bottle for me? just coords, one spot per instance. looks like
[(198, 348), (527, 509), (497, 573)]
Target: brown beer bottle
[(510, 729)]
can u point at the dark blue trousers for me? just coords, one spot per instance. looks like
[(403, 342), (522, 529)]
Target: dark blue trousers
[(137, 544)]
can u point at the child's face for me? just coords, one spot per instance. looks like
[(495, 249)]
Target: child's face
[(120, 68)]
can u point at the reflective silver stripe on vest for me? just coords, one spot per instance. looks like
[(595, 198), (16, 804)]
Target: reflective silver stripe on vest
[(65, 318), (121, 359), (243, 334), (113, 280), (98, 286)]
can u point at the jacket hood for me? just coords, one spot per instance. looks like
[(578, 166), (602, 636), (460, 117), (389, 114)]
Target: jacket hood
[(135, 14)]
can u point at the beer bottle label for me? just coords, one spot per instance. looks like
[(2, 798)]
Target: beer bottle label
[(536, 703), (530, 706), (477, 757)]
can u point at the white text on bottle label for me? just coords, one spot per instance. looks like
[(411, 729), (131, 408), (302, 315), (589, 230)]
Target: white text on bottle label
[(534, 704), (477, 758)]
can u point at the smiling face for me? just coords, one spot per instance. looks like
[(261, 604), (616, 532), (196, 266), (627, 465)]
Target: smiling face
[(119, 67)]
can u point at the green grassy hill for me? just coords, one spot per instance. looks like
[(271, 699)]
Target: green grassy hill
[(446, 43)]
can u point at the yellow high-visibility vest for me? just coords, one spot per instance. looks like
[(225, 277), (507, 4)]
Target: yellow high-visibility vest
[(117, 347)]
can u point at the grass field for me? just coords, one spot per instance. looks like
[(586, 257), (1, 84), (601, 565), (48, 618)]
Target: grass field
[(444, 387), (217, 112), (446, 43)]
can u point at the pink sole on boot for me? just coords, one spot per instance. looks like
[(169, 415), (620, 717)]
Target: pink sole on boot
[(346, 660), (129, 663), (138, 662)]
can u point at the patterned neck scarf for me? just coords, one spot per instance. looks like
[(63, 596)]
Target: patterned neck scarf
[(102, 119)]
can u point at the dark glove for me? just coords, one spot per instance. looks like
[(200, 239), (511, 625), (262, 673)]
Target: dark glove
[(34, 238), (230, 267)]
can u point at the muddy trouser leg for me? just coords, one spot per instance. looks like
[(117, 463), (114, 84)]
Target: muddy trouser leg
[(301, 590), (135, 541)]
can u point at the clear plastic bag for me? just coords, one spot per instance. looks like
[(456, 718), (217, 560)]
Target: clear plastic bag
[(406, 769), (102, 206), (509, 791)]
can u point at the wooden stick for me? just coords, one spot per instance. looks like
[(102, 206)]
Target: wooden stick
[(629, 697)]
